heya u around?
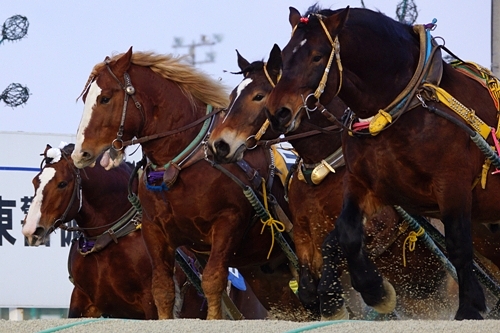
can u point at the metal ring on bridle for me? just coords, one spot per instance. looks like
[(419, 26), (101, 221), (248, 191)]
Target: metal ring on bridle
[(248, 139), (113, 144), (305, 103)]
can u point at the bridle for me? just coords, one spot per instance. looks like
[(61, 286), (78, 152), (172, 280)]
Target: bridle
[(129, 90), (256, 137), (77, 194), (335, 44)]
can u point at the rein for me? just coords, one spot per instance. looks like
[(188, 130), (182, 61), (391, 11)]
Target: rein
[(267, 143), (130, 91)]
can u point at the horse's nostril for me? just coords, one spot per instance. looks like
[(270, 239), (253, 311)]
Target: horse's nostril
[(283, 114), (221, 148), (39, 232), (85, 154)]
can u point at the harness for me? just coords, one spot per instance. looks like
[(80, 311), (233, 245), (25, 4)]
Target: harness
[(190, 155), (422, 87)]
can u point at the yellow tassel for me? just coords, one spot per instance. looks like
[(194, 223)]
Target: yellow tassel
[(272, 223), (411, 239)]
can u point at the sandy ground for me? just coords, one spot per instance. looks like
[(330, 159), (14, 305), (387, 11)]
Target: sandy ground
[(261, 326)]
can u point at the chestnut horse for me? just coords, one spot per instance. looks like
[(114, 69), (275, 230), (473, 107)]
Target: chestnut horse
[(185, 200), (416, 136), (316, 204), (120, 286), (114, 282)]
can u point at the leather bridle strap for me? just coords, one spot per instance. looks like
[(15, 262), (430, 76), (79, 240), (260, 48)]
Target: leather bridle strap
[(178, 130), (75, 195), (264, 126), (334, 53), (130, 91), (267, 143)]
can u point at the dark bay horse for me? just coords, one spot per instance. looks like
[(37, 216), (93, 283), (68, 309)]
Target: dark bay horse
[(315, 207), (412, 138), (185, 200), (114, 281)]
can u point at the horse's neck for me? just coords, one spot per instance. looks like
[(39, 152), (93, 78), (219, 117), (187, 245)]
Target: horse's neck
[(103, 202), (372, 80), (168, 113)]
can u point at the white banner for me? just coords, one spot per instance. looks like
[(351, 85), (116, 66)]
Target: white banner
[(30, 276)]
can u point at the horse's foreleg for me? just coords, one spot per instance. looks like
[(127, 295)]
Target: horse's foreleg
[(330, 289), (162, 260), (82, 306), (459, 247), (215, 275), (376, 292), (307, 292)]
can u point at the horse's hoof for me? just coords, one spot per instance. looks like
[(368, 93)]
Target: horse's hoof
[(342, 314), (468, 314), (388, 303)]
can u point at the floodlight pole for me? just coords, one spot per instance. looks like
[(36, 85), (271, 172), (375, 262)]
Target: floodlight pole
[(204, 41), (495, 37)]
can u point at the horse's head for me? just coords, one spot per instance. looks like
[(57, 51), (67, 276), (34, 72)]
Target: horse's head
[(237, 128), (309, 63), (108, 118), (57, 195)]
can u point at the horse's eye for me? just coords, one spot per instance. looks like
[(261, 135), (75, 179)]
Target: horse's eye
[(62, 184), (317, 58), (105, 100), (258, 97)]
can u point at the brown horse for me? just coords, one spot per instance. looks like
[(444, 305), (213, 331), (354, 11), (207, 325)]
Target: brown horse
[(120, 286), (314, 207), (114, 282), (415, 139), (185, 200)]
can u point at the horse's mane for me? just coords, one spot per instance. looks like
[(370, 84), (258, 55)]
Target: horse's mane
[(195, 83), (378, 21)]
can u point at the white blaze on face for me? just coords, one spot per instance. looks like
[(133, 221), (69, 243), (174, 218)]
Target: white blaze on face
[(90, 102), (35, 212), (239, 89), (300, 45)]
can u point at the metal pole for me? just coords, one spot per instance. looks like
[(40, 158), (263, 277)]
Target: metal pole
[(495, 37)]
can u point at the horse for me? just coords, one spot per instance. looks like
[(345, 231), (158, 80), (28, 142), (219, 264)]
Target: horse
[(416, 135), (316, 204), (120, 286), (108, 264), (186, 199)]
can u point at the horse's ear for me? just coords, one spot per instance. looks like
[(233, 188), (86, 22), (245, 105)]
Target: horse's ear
[(242, 62), (46, 149), (274, 63), (123, 63), (336, 22), (294, 17)]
